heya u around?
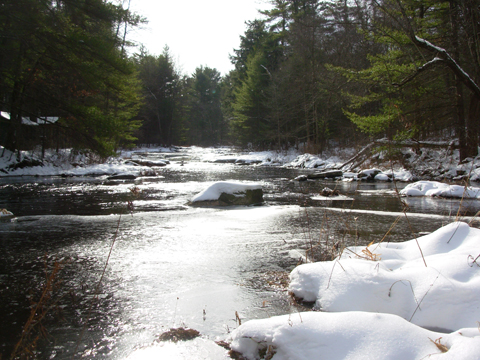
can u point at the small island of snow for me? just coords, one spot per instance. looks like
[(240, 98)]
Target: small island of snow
[(224, 193)]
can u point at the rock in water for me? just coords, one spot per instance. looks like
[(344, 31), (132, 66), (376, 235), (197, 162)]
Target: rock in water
[(329, 192), (326, 174), (229, 193)]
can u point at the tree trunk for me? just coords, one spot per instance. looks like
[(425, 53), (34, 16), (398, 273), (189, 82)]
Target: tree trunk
[(459, 102), (473, 123)]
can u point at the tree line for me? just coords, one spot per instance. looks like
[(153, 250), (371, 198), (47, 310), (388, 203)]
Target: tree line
[(309, 72), (317, 72)]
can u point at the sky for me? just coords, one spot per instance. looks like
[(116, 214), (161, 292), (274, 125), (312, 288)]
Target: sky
[(197, 32)]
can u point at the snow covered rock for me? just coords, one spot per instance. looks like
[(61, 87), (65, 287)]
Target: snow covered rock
[(434, 283), (435, 188), (226, 193), (369, 174), (5, 214)]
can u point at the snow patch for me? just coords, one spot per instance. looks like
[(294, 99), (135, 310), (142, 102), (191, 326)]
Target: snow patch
[(348, 336), (379, 303), (438, 189), (214, 191)]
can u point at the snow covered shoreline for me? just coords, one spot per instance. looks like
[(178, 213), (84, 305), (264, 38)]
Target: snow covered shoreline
[(379, 302), (426, 164), (69, 163)]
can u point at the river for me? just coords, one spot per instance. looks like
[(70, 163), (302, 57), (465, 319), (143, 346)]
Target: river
[(173, 265)]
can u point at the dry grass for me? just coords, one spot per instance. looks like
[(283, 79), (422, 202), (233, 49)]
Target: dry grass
[(33, 330), (439, 345)]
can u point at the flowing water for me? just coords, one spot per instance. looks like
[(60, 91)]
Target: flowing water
[(172, 265)]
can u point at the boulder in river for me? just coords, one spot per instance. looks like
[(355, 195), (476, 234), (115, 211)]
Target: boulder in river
[(225, 193), (302, 178), (368, 175), (329, 192)]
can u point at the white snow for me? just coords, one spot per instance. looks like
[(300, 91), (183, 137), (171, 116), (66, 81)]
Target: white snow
[(379, 300), (61, 163), (350, 335), (332, 198), (438, 189), (214, 191)]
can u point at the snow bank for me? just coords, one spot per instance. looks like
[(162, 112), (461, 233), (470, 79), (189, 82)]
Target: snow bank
[(349, 335), (379, 303), (309, 161), (66, 163), (444, 294), (434, 188), (214, 191)]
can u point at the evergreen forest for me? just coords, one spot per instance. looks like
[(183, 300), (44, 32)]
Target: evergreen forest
[(306, 73)]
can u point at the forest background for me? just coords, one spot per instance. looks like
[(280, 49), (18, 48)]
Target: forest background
[(309, 73)]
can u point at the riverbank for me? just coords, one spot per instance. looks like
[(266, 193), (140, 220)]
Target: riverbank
[(409, 164), (394, 301)]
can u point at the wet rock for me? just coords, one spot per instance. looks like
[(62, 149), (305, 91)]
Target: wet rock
[(225, 161), (24, 164), (368, 175), (331, 174), (301, 178), (149, 163), (247, 162), (148, 172), (329, 192), (122, 177)]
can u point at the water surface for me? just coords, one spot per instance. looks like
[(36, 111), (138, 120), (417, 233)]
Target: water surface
[(173, 265)]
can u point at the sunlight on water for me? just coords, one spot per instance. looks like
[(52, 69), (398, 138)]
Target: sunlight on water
[(174, 265)]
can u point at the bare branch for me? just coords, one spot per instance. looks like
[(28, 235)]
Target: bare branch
[(419, 70), (450, 62)]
